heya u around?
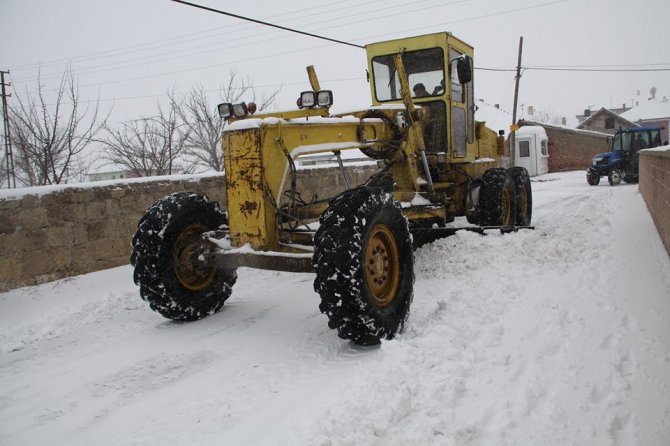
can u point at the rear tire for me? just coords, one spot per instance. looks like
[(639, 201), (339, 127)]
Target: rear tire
[(615, 177), (364, 266), (497, 199), (523, 196), (165, 256)]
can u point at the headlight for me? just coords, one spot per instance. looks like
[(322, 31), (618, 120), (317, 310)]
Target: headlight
[(240, 110), (308, 99), (311, 99), (225, 110), (324, 98)]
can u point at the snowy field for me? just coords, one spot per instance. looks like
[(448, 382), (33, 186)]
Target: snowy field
[(558, 336)]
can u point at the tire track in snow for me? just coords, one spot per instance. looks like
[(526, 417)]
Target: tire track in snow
[(456, 371)]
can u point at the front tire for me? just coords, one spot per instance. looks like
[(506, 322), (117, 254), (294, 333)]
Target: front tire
[(497, 199), (364, 266), (166, 249), (592, 177)]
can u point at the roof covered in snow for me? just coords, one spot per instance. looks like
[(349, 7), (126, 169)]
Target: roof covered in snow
[(604, 111), (532, 130), (658, 109)]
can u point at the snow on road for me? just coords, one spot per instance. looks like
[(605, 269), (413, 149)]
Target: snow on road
[(555, 336)]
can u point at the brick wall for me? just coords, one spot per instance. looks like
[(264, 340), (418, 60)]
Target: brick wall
[(48, 234), (572, 149), (655, 189)]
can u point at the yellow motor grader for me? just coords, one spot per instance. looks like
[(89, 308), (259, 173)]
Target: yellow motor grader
[(436, 162)]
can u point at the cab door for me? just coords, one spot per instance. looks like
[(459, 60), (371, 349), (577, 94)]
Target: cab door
[(461, 100), (458, 107)]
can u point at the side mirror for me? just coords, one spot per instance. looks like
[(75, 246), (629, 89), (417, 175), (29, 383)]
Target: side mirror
[(464, 69)]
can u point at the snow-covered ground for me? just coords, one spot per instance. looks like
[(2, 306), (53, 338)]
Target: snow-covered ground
[(558, 336)]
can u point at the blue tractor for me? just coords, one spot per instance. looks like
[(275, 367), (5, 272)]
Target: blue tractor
[(622, 161)]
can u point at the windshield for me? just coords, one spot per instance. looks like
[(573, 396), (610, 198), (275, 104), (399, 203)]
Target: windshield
[(425, 72), (636, 140)]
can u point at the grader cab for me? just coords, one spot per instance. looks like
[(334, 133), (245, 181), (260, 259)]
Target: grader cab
[(436, 162)]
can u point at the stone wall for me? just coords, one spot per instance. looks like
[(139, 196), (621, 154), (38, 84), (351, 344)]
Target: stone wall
[(655, 189), (47, 233)]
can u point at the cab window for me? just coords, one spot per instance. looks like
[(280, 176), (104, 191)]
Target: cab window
[(425, 73)]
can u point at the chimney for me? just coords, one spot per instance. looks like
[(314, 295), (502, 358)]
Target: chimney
[(624, 106), (587, 112), (497, 106)]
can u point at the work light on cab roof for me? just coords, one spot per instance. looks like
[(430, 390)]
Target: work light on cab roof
[(311, 99), (228, 110)]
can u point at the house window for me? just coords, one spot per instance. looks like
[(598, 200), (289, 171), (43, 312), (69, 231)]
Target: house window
[(609, 123), (524, 149)]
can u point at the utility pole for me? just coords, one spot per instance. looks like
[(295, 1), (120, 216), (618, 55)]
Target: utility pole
[(11, 178), (515, 127)]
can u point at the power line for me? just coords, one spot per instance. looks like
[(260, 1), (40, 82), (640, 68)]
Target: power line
[(608, 65), (466, 19), (312, 48), (495, 69), (162, 43), (248, 59), (162, 95), (598, 70), (582, 70), (361, 78), (115, 66), (218, 11)]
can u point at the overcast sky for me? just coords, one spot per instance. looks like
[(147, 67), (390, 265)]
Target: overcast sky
[(130, 52)]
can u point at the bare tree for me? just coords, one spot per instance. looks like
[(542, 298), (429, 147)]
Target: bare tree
[(49, 135), (148, 146), (546, 116), (199, 115)]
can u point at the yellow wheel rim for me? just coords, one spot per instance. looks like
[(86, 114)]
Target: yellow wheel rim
[(185, 259), (382, 265)]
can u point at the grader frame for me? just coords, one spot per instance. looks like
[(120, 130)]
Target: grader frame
[(436, 163), (260, 153)]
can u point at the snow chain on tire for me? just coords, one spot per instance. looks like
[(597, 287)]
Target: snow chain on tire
[(497, 199), (171, 281), (364, 266)]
